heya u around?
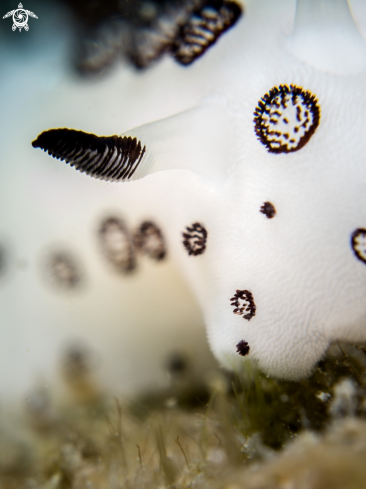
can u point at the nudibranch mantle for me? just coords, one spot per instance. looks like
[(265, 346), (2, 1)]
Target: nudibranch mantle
[(284, 223)]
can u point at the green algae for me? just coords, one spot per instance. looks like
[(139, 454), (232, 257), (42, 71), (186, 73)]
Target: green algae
[(211, 432)]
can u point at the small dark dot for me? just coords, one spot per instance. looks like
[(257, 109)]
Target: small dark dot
[(149, 241), (195, 239), (242, 348), (358, 243), (268, 210), (76, 361)]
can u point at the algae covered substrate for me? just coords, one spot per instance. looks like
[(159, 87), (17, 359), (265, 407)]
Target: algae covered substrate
[(219, 431)]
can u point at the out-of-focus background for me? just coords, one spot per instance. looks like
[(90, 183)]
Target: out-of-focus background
[(85, 65)]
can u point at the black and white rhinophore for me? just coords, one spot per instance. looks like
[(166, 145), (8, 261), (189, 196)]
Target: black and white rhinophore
[(112, 158), (203, 29)]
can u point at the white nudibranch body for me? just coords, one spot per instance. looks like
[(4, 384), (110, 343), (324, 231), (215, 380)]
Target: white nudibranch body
[(271, 233)]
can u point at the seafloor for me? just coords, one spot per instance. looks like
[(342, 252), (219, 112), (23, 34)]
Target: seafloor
[(244, 431)]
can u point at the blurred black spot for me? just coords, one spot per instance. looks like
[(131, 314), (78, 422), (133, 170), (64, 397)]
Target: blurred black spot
[(117, 244), (77, 367), (149, 240), (76, 361), (63, 270), (177, 363)]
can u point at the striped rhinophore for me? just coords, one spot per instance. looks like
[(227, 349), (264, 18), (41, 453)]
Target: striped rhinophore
[(111, 158), (204, 28)]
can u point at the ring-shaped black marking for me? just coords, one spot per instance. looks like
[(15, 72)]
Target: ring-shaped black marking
[(248, 308), (149, 240), (117, 244), (271, 113), (195, 239)]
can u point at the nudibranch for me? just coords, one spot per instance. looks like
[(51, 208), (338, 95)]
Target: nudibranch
[(272, 233)]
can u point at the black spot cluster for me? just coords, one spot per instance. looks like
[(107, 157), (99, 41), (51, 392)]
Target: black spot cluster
[(120, 245), (177, 363), (195, 239), (76, 361), (285, 119), (149, 241)]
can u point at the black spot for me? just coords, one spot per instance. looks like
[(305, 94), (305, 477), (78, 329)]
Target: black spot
[(243, 304), (358, 243), (204, 28), (76, 361), (149, 240), (285, 119), (242, 348), (177, 363), (63, 269), (117, 244), (268, 210), (112, 158), (195, 239)]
